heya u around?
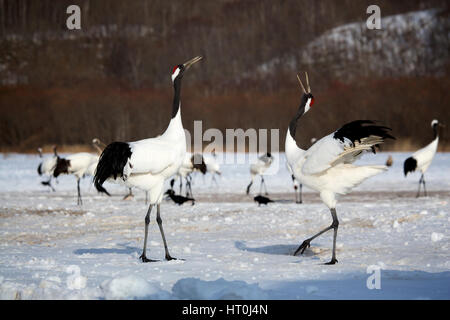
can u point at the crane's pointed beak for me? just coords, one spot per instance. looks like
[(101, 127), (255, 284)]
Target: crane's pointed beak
[(189, 63)]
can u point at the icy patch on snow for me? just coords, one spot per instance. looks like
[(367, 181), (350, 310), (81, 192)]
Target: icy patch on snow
[(220, 289)]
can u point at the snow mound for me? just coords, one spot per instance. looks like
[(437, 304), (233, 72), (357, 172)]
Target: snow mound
[(220, 289), (132, 287)]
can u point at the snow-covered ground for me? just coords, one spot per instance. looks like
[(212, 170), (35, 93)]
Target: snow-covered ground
[(50, 248)]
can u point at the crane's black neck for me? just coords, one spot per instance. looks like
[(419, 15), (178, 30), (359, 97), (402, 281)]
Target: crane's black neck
[(435, 131), (176, 96), (300, 112)]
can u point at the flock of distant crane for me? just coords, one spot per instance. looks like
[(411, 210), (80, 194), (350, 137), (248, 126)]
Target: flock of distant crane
[(326, 167)]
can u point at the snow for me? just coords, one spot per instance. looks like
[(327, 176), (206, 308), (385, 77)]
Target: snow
[(50, 248)]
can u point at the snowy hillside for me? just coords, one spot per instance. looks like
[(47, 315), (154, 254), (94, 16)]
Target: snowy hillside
[(52, 249), (411, 44)]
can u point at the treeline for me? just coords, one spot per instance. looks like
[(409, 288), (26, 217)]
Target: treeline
[(112, 78)]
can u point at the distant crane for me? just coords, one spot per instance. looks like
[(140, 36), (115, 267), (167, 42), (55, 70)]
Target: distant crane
[(79, 165), (191, 163), (146, 164), (421, 159), (212, 166), (47, 166), (257, 169), (327, 165)]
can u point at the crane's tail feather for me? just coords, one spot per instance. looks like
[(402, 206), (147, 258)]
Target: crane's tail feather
[(111, 163), (410, 165), (103, 190)]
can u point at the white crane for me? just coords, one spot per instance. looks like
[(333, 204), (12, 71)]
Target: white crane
[(184, 172), (257, 169), (327, 165), (191, 163), (421, 159), (212, 166), (147, 163), (78, 164), (47, 166)]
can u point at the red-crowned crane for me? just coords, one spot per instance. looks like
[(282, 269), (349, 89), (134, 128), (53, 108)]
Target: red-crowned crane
[(191, 163), (147, 163), (80, 165), (47, 166), (212, 166), (327, 165), (258, 168), (421, 159)]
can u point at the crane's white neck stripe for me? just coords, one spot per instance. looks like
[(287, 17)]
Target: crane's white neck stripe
[(175, 74)]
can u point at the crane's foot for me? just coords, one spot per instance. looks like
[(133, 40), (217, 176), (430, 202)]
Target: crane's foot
[(145, 259), (169, 257), (333, 261), (303, 246)]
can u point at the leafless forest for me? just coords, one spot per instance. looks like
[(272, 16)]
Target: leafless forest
[(111, 79)]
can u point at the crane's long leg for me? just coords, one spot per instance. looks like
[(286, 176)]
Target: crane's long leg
[(129, 195), (421, 181), (248, 187), (79, 201), (424, 189), (188, 186), (263, 183), (214, 179), (334, 225), (181, 184), (147, 221), (159, 221), (300, 186)]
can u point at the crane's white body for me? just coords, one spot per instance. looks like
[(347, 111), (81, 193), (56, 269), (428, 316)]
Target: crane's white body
[(327, 166), (425, 156), (155, 160), (260, 166), (82, 163), (257, 169), (48, 165), (212, 166)]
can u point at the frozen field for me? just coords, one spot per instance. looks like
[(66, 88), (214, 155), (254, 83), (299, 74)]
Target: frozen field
[(50, 248)]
